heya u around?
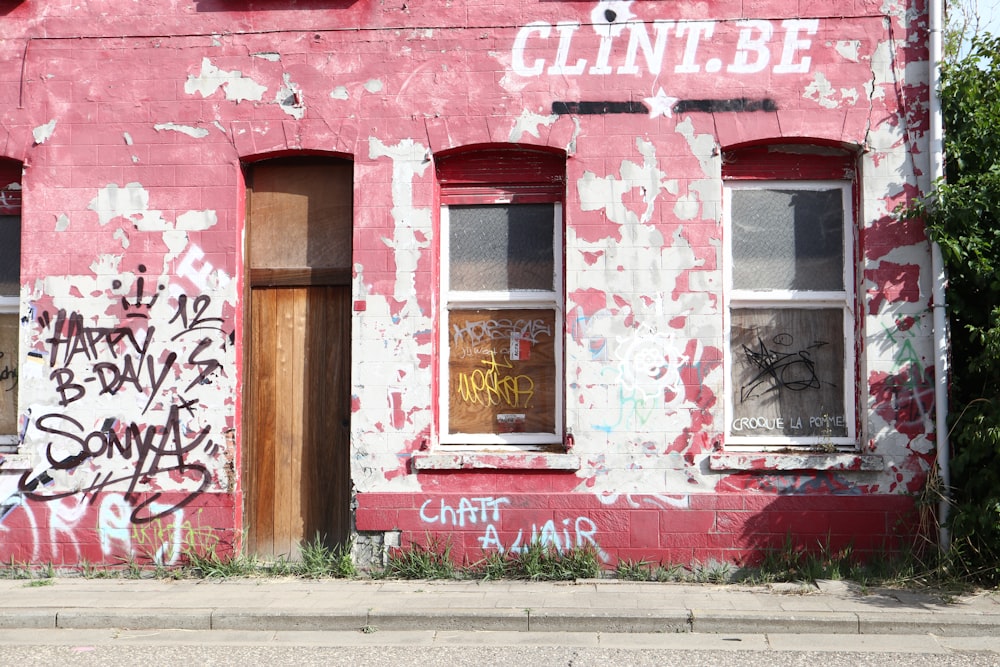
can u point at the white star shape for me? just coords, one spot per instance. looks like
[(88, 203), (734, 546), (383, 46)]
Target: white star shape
[(661, 105)]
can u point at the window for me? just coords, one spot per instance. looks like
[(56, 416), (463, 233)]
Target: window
[(10, 287), (790, 301), (501, 319)]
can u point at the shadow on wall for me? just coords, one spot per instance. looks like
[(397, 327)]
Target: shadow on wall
[(855, 529), (7, 6), (264, 5)]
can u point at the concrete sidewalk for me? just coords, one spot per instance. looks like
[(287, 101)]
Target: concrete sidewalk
[(583, 606)]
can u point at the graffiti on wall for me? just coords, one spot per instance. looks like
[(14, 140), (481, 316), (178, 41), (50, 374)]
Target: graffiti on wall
[(486, 513), (788, 372), (117, 418), (62, 529), (616, 44), (109, 360), (904, 395), (652, 375)]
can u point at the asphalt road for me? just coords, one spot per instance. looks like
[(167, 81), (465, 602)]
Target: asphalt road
[(151, 648)]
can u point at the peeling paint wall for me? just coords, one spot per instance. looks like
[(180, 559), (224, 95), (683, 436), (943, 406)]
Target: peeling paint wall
[(131, 305)]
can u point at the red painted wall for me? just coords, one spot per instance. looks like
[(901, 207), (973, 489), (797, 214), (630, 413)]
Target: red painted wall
[(132, 123)]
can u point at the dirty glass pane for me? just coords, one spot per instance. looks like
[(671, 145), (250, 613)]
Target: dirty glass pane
[(10, 255), (501, 247), (788, 239), (788, 372), (8, 373)]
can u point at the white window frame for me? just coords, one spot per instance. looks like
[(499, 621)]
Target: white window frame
[(797, 299), (517, 299)]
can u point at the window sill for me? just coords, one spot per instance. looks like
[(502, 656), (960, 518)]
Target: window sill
[(12, 462), (495, 461), (769, 461)]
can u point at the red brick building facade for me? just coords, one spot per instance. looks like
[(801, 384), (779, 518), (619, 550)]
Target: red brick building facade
[(616, 273)]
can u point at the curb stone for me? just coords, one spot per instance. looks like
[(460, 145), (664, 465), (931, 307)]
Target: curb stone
[(751, 622)]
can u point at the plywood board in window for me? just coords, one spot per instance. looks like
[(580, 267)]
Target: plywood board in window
[(8, 373), (788, 372), (501, 371)]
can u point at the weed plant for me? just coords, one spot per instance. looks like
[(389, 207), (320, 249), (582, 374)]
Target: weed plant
[(712, 572), (212, 566), (494, 566), (540, 562), (320, 560), (418, 561), (634, 570)]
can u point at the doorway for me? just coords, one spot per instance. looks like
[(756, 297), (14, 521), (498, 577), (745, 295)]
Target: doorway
[(297, 407)]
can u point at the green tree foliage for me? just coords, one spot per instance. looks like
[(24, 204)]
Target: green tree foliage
[(963, 217)]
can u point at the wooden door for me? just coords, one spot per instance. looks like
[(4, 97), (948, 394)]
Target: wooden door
[(297, 391)]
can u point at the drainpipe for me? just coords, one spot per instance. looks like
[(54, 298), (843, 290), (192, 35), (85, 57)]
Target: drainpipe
[(941, 336)]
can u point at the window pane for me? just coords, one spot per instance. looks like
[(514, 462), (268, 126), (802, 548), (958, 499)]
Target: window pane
[(788, 372), (788, 239), (502, 371), (501, 248), (10, 255), (8, 373)]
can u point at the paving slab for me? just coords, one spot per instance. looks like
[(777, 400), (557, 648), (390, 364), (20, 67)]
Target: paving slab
[(611, 608)]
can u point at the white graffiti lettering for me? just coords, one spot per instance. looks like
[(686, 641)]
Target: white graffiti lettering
[(559, 534), (752, 52), (781, 423), (476, 332), (469, 510)]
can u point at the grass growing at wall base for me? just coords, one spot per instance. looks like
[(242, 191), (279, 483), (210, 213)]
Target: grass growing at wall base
[(316, 560), (806, 562)]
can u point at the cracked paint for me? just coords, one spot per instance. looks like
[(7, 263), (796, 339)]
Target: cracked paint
[(821, 92), (43, 133), (195, 132), (237, 88), (644, 100), (528, 123), (289, 98)]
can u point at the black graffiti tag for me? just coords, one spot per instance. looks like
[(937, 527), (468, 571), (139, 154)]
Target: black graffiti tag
[(793, 371), (8, 373), (156, 452)]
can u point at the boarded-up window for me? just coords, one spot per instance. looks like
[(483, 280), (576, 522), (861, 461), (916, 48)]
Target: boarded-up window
[(501, 370), (8, 377), (302, 212), (790, 311), (788, 372), (502, 305), (10, 255), (10, 286)]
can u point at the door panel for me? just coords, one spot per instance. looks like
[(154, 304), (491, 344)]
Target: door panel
[(326, 482), (300, 411), (298, 342)]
